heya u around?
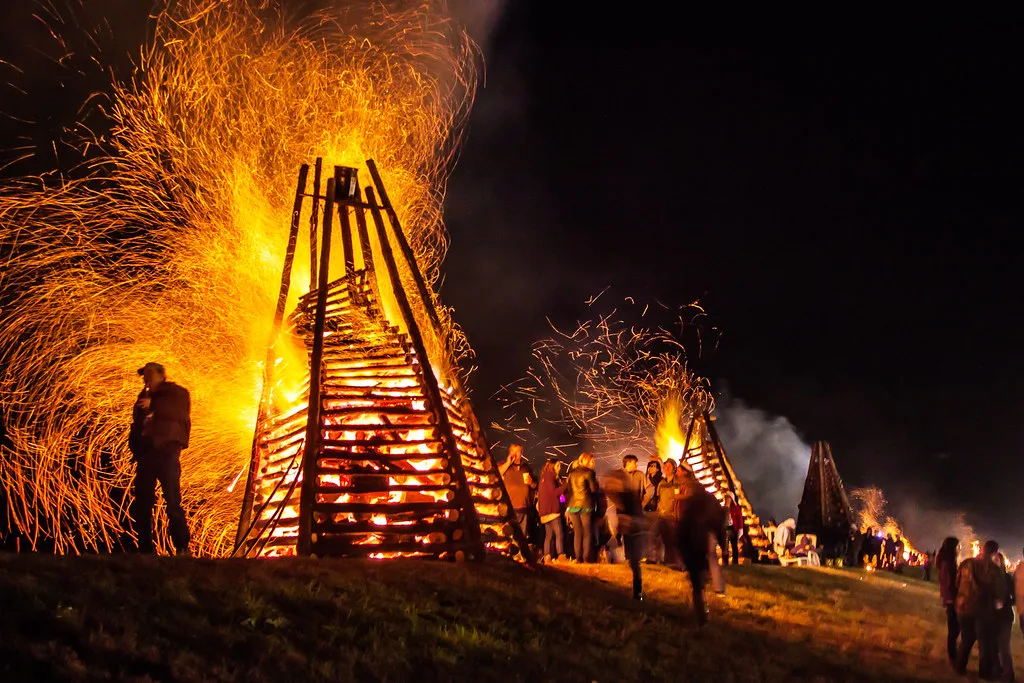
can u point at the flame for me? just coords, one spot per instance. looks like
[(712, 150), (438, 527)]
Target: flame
[(669, 437), (171, 249)]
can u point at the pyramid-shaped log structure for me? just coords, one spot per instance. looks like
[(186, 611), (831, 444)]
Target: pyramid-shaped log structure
[(706, 458), (388, 460), (824, 508)]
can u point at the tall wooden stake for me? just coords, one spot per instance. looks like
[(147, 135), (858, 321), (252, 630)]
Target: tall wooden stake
[(307, 495), (314, 218), (472, 523), (428, 303)]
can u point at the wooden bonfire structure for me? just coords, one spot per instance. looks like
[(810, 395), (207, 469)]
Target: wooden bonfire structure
[(706, 458), (824, 508), (387, 459)]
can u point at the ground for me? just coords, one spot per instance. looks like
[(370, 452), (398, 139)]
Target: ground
[(126, 618)]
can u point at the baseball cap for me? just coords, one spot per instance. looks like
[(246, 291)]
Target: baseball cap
[(152, 366)]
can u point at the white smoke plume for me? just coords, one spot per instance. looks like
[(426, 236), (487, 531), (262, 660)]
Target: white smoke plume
[(769, 456)]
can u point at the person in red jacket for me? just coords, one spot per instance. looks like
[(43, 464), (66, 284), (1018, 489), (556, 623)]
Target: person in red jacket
[(161, 424), (735, 527)]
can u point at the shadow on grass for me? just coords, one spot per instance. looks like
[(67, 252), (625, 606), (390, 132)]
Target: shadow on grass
[(163, 619)]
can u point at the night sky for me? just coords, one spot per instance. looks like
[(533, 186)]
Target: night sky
[(841, 193)]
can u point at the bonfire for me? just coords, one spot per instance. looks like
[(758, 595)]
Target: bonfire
[(168, 244)]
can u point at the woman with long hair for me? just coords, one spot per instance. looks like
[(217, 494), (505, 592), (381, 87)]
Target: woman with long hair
[(581, 502), (946, 563), (549, 507)]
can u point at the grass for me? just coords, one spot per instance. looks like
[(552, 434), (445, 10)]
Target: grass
[(126, 618)]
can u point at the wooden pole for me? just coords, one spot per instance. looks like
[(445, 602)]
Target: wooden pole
[(364, 239), (314, 219), (346, 238), (249, 495), (428, 304), (307, 494), (713, 433), (821, 482), (346, 235), (471, 522)]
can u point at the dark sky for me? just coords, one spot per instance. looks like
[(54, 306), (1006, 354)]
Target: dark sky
[(842, 193)]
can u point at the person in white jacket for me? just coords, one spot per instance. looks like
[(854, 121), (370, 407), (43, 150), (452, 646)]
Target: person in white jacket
[(784, 536)]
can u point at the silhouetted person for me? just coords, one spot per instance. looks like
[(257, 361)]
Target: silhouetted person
[(700, 527), (1003, 626), (946, 562), (161, 423), (976, 598)]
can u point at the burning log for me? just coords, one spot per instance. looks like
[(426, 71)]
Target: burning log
[(387, 460)]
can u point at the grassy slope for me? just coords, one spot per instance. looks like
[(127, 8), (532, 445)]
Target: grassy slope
[(162, 619)]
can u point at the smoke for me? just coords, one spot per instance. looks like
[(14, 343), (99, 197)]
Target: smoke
[(769, 456), (479, 17)]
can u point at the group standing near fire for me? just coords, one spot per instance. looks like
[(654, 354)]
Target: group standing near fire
[(662, 516)]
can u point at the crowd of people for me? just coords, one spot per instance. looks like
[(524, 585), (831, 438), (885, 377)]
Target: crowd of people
[(662, 515), (979, 596)]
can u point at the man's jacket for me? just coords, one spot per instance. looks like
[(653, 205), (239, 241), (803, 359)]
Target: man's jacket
[(168, 421)]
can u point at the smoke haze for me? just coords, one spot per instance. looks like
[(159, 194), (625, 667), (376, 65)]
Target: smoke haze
[(769, 456)]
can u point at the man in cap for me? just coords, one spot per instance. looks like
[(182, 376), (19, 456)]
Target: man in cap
[(161, 423)]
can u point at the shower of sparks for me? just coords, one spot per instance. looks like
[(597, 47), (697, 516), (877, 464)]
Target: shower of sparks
[(170, 248), (611, 383), (869, 507)]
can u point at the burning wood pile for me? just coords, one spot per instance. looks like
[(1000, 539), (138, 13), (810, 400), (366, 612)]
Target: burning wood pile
[(702, 453), (388, 459)]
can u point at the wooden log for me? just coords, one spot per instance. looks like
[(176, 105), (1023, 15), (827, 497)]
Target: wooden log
[(325, 531), (347, 549), (313, 437), (384, 487), (385, 508), (314, 218), (409, 472)]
